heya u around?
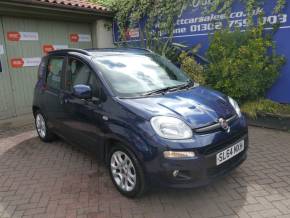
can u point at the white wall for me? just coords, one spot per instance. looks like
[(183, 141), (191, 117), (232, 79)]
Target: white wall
[(102, 34)]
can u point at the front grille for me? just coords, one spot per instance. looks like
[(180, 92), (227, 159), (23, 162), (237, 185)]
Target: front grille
[(215, 126), (210, 149)]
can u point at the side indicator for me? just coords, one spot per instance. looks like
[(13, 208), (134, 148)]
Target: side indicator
[(105, 118)]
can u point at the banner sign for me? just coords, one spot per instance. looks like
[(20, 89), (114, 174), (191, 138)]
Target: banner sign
[(25, 62), (133, 33), (194, 27), (193, 23), (22, 36), (1, 49), (48, 47), (75, 37)]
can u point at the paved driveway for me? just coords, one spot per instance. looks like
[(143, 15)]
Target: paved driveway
[(57, 180)]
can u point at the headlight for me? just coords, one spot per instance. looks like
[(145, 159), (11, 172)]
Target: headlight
[(171, 128), (235, 106)]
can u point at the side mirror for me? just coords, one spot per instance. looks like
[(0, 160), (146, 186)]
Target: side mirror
[(82, 91)]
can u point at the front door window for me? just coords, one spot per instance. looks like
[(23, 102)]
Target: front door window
[(78, 73)]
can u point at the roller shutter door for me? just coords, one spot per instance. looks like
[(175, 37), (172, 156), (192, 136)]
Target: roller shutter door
[(7, 108), (26, 41)]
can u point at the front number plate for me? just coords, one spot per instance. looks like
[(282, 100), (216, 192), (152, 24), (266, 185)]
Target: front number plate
[(230, 152)]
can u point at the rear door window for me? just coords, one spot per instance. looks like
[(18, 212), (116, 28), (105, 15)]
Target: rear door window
[(54, 72)]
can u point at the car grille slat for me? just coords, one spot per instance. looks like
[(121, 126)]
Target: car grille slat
[(214, 126), (217, 147)]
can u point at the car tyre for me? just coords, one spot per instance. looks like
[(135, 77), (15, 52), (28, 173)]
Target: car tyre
[(42, 129), (126, 172)]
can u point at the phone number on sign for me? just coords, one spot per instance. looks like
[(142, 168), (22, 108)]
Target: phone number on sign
[(274, 19)]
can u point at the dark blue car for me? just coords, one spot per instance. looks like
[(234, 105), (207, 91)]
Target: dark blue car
[(141, 115)]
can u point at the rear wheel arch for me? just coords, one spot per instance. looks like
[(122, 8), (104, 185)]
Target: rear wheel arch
[(35, 109)]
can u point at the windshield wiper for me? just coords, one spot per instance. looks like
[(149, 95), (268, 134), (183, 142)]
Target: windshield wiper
[(157, 91), (189, 83)]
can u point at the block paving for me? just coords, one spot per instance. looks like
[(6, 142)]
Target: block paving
[(59, 180)]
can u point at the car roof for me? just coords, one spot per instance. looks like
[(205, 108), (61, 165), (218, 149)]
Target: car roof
[(102, 51)]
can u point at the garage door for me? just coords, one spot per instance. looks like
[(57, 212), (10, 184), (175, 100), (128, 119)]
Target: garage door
[(26, 41), (6, 97)]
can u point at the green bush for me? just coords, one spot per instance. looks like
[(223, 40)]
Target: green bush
[(194, 70), (243, 64), (263, 106)]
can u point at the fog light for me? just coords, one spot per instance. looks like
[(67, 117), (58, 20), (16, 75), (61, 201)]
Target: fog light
[(178, 154), (175, 173)]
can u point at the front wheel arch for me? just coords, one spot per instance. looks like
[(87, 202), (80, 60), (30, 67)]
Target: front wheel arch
[(113, 142)]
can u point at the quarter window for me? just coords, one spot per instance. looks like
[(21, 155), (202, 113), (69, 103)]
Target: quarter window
[(54, 70)]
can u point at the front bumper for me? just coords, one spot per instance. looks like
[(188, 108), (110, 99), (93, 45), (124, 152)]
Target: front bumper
[(200, 170)]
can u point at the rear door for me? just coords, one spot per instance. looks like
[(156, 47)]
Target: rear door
[(51, 96)]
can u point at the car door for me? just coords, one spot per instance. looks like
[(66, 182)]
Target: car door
[(83, 116), (51, 102)]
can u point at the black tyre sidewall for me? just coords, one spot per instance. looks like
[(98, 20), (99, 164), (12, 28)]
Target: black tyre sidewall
[(48, 136), (139, 189)]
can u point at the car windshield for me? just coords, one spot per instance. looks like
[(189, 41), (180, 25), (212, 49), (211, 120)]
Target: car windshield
[(132, 75)]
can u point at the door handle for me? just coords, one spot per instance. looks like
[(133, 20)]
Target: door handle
[(63, 99)]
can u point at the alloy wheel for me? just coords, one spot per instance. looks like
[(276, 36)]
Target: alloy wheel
[(123, 171), (40, 125)]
